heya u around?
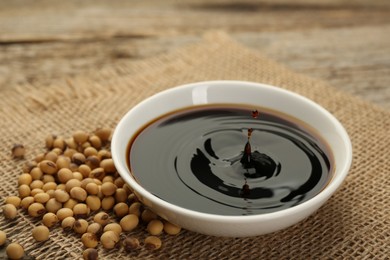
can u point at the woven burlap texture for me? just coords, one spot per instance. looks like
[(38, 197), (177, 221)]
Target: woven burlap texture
[(354, 223)]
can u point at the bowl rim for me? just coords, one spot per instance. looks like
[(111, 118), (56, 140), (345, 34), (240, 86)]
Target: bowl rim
[(328, 190)]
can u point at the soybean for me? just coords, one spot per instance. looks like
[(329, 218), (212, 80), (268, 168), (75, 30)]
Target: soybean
[(129, 222), (48, 167), (14, 200), (59, 142), (119, 182), (49, 219), (70, 143), (93, 162), (61, 196), (36, 209), (130, 244), (95, 141), (85, 170), (78, 176), (15, 251), (36, 184), (49, 185), (62, 162), (108, 165), (171, 229), (78, 193), (57, 150), (104, 154), (25, 178), (152, 243), (155, 227), (49, 140), (80, 136), (3, 237), (135, 208), (64, 175), (71, 184), (121, 209), (24, 191), (51, 156), (28, 166), (102, 218), (36, 173), (53, 205), (131, 198), (84, 146), (108, 178), (50, 193), (40, 233), (10, 211), (64, 213), (36, 191), (70, 203), (80, 226), (48, 178), (61, 187), (81, 210), (90, 151), (39, 158), (120, 195), (18, 151), (97, 173), (89, 240), (93, 202), (95, 228), (42, 197), (67, 223), (26, 202), (92, 188), (148, 215), (113, 227), (78, 158), (69, 153), (108, 203), (90, 254), (103, 133), (109, 239), (86, 181)]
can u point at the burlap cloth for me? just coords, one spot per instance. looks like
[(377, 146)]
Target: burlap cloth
[(354, 223)]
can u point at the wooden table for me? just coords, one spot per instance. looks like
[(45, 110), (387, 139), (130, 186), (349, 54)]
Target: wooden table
[(346, 43)]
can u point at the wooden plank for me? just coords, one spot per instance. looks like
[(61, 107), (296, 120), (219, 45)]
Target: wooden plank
[(356, 60), (359, 67), (44, 21)]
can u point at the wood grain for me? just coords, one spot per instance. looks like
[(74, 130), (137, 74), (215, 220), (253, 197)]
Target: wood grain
[(346, 43)]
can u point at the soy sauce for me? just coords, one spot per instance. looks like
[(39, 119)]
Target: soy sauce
[(230, 160)]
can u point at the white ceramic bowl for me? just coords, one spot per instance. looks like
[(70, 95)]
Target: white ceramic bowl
[(235, 92)]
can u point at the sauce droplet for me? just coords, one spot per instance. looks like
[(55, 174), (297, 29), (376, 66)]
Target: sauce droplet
[(245, 191), (250, 130), (246, 159), (255, 113)]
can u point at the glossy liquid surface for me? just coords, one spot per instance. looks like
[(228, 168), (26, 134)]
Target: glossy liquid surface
[(229, 160)]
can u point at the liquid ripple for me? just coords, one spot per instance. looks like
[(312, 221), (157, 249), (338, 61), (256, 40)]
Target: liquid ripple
[(208, 169)]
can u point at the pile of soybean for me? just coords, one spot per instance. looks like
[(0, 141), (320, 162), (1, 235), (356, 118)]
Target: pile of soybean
[(76, 181)]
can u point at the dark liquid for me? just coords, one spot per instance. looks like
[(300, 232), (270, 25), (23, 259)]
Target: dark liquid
[(221, 160)]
